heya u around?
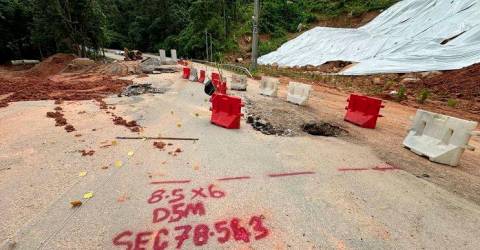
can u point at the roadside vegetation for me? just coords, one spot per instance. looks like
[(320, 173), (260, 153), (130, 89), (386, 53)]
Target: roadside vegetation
[(39, 28)]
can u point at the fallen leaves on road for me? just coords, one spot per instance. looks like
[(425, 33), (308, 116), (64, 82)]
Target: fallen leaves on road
[(131, 153), (88, 195), (122, 198), (105, 167), (196, 166), (118, 164), (82, 174)]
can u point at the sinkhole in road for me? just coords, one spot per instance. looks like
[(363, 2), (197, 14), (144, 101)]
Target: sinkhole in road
[(323, 129)]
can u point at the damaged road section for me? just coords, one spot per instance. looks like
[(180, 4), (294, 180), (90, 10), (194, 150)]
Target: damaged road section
[(272, 117)]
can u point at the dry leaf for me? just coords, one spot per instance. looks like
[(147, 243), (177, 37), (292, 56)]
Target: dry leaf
[(114, 143), (122, 198), (82, 174), (105, 167), (179, 125), (118, 163), (131, 153), (88, 195)]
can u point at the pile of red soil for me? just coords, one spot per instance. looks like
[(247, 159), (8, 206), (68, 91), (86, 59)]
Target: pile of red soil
[(132, 125), (60, 121), (43, 82), (87, 153), (463, 83), (50, 66), (32, 89), (160, 145)]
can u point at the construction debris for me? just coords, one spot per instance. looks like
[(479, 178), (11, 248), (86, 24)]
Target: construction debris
[(140, 89)]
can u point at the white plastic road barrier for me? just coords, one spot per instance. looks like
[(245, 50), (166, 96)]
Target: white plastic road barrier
[(441, 138), (193, 75), (269, 86), (410, 36), (239, 82), (173, 53), (163, 56), (298, 93)]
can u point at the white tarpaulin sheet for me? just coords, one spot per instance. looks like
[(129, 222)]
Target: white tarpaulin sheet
[(407, 37)]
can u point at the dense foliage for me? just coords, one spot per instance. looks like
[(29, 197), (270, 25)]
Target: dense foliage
[(38, 28)]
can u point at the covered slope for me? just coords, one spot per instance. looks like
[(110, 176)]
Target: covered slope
[(411, 36)]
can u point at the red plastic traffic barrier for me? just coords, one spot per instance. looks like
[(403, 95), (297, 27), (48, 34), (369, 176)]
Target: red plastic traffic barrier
[(186, 73), (363, 111), (201, 79), (226, 111), (220, 86), (215, 77)]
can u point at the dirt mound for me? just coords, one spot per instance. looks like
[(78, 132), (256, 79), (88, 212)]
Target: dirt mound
[(51, 66), (132, 125), (62, 88), (463, 83)]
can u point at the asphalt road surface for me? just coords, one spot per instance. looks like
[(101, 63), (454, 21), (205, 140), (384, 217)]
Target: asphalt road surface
[(231, 189)]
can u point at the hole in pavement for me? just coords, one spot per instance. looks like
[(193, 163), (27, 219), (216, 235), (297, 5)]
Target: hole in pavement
[(323, 129)]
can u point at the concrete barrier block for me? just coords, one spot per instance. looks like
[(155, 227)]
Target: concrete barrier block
[(298, 93), (173, 53), (441, 138), (238, 82), (163, 56), (193, 75), (269, 86)]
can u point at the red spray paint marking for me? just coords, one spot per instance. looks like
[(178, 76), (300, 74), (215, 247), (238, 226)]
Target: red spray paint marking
[(352, 169), (385, 167), (170, 182), (234, 178), (289, 174)]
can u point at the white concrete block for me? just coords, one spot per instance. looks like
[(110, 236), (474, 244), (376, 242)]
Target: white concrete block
[(238, 82), (163, 56), (441, 138), (174, 55), (193, 75), (298, 93), (269, 86)]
